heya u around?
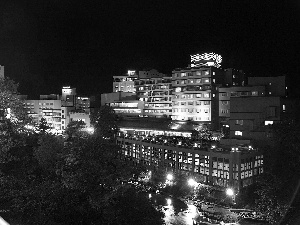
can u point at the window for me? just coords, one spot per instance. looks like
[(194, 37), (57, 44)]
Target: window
[(238, 133), (233, 76), (283, 107), (190, 103), (239, 122), (206, 95), (224, 111), (267, 122), (205, 80), (224, 94), (214, 80), (183, 96), (206, 72), (198, 81), (178, 89), (206, 110), (198, 103), (224, 102), (183, 103), (214, 73), (190, 110), (254, 93), (62, 111), (183, 74), (198, 95), (206, 102)]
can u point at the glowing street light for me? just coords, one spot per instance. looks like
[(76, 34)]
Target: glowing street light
[(169, 201), (229, 192), (170, 177), (192, 182)]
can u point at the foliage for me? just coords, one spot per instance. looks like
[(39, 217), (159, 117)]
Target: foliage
[(277, 191), (48, 149), (126, 206), (43, 126), (75, 129), (105, 122), (9, 100)]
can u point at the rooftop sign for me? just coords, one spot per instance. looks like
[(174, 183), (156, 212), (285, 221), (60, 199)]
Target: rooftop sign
[(206, 59)]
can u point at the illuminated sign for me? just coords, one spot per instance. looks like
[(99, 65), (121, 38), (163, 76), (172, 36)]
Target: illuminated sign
[(66, 87), (206, 59), (131, 72)]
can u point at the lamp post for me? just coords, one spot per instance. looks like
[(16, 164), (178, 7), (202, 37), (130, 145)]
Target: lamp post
[(230, 193)]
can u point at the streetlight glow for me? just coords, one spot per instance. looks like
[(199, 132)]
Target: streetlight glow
[(192, 182), (169, 177), (229, 192), (169, 201)]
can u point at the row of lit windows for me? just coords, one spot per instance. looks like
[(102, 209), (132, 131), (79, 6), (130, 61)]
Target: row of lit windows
[(191, 118), (190, 96), (158, 111), (239, 93), (191, 103), (194, 81), (194, 73), (191, 110)]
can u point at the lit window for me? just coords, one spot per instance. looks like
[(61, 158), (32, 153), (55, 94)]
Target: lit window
[(214, 80), (270, 92), (283, 107), (268, 122), (238, 133), (214, 73), (233, 76), (254, 93), (239, 122)]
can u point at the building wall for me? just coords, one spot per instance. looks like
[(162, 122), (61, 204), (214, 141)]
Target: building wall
[(220, 169), (275, 86), (195, 94), (249, 115), (107, 98)]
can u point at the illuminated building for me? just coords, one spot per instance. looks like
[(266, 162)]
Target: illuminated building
[(125, 83), (68, 96), (59, 110), (157, 95), (235, 167), (195, 90)]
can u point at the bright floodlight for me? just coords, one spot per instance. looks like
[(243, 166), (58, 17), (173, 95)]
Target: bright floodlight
[(169, 177), (229, 192), (192, 182)]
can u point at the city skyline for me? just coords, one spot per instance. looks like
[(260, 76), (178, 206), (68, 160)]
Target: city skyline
[(47, 45)]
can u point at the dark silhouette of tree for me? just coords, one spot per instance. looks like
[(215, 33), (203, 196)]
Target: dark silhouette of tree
[(105, 122)]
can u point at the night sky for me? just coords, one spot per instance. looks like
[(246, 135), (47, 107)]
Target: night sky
[(45, 44)]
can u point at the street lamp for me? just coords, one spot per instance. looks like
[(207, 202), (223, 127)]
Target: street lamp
[(229, 192), (192, 182), (169, 177)]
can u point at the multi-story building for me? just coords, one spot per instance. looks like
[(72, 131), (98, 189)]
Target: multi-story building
[(59, 111), (275, 86), (125, 83), (227, 93), (195, 91), (235, 167), (157, 95)]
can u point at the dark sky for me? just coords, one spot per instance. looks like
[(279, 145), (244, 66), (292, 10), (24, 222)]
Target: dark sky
[(45, 44)]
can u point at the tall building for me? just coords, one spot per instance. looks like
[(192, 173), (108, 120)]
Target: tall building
[(157, 95), (195, 90)]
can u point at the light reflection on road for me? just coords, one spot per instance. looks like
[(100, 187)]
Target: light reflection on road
[(183, 218)]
